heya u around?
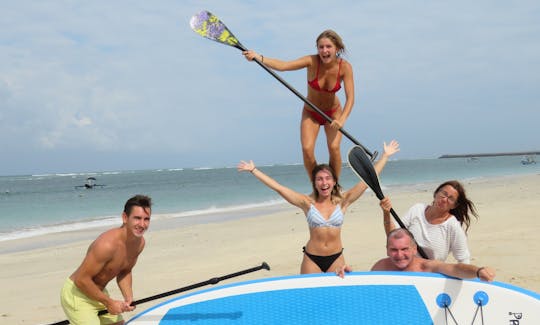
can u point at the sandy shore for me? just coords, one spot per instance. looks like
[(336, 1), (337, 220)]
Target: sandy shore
[(505, 237)]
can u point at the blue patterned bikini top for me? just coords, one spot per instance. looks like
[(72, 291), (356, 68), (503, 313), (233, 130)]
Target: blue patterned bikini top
[(315, 218)]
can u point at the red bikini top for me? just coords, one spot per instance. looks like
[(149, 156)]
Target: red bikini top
[(315, 82)]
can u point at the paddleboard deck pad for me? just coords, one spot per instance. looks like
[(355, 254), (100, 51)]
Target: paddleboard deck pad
[(359, 298)]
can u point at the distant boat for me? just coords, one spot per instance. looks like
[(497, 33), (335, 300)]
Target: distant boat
[(472, 159), (527, 160), (90, 183)]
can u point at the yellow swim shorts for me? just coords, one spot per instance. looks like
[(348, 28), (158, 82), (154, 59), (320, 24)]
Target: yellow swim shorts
[(81, 310)]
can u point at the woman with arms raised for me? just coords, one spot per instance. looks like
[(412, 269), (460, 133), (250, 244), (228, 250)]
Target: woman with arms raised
[(324, 209)]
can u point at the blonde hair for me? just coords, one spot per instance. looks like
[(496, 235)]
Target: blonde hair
[(334, 38)]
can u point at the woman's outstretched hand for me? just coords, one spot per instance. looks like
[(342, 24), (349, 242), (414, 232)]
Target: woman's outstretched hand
[(245, 166), (390, 148)]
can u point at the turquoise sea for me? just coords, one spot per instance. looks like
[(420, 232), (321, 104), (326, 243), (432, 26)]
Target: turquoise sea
[(33, 205)]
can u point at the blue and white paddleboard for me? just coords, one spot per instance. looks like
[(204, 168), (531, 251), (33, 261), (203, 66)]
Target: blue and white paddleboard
[(359, 298)]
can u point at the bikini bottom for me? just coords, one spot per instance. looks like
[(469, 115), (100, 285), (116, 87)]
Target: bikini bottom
[(323, 262)]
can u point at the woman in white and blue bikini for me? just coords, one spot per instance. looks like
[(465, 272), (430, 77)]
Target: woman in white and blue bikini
[(324, 209)]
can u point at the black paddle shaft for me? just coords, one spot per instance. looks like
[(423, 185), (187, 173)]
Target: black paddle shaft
[(212, 281)]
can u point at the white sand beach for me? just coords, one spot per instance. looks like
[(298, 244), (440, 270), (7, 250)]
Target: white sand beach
[(504, 237)]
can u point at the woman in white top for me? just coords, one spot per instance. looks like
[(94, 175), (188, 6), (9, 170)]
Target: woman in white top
[(438, 228)]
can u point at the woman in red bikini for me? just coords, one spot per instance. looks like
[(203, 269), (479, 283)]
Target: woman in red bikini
[(325, 72)]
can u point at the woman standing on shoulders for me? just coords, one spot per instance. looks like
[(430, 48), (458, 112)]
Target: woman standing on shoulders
[(324, 209), (437, 228), (325, 71)]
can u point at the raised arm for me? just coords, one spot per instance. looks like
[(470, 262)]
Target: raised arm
[(389, 150), (297, 199), (354, 193), (279, 65)]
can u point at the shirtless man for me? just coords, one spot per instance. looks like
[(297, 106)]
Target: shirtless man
[(401, 251), (112, 255)]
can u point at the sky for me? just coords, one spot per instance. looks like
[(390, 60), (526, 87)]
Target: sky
[(126, 85)]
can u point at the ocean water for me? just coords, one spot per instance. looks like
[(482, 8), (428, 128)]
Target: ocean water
[(33, 205)]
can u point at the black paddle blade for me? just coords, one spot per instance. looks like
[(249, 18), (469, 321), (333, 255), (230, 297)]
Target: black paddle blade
[(208, 25), (363, 167)]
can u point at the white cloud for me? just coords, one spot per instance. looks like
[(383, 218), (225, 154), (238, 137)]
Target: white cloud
[(119, 76)]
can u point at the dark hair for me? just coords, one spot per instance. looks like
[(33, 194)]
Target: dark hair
[(463, 204), (335, 38), (336, 191), (138, 200)]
